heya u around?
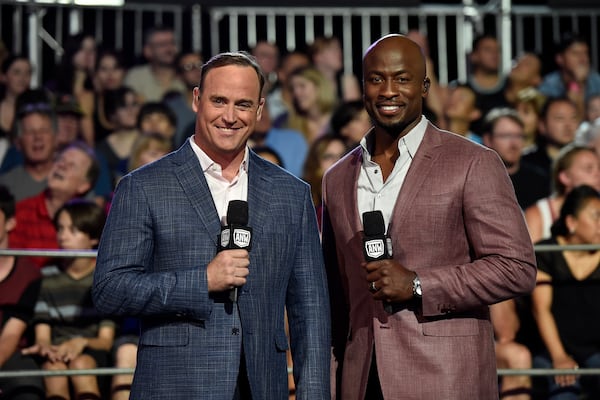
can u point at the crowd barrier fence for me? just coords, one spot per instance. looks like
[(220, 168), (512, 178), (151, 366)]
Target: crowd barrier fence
[(125, 371), (40, 29)]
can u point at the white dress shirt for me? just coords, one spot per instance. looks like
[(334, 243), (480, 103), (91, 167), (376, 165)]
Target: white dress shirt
[(221, 189), (375, 194)]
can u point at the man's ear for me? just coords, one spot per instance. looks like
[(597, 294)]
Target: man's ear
[(426, 85)]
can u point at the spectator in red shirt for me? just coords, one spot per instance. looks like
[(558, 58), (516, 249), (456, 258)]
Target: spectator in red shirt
[(73, 174)]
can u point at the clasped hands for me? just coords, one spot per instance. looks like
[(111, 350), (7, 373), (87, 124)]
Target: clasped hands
[(64, 352), (389, 280), (227, 270)]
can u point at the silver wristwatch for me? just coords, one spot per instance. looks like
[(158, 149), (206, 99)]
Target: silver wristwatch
[(417, 291)]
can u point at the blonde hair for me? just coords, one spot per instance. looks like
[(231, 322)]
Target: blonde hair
[(143, 143)]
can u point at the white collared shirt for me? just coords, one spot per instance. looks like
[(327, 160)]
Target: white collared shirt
[(375, 194), (221, 189)]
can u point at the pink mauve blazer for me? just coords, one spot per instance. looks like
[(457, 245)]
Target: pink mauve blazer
[(457, 224)]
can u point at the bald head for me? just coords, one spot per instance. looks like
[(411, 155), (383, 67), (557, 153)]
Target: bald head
[(395, 84), (398, 45)]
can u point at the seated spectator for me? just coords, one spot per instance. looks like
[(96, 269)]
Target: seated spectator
[(460, 112), (109, 74), (188, 66), (574, 78), (148, 148), (69, 333), (525, 73), (504, 133), (529, 103), (589, 135), (279, 100), (592, 108), (74, 75), (326, 55), (15, 77), (19, 289), (158, 76), (509, 353), (122, 108), (313, 103), (566, 300), (267, 57), (268, 154), (351, 121), (289, 144), (574, 166), (73, 174), (557, 127), (36, 141), (68, 118), (322, 154), (158, 118)]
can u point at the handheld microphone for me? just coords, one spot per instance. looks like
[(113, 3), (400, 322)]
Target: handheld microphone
[(376, 244), (236, 235)]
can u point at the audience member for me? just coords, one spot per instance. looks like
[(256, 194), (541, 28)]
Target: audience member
[(566, 300), (15, 77), (122, 108), (189, 65), (36, 141), (313, 103), (279, 100), (557, 127), (148, 147), (510, 353), (592, 108), (152, 80), (589, 135), (267, 56), (158, 118), (69, 333), (74, 76), (433, 108), (485, 77), (351, 121), (289, 144), (327, 57), (574, 77), (322, 154), (525, 73), (460, 112), (529, 104), (503, 131), (109, 74), (73, 174), (574, 166), (19, 289)]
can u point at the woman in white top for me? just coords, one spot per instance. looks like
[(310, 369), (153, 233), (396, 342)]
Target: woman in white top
[(575, 165)]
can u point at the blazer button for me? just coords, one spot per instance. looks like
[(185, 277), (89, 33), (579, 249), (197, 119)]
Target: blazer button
[(235, 331)]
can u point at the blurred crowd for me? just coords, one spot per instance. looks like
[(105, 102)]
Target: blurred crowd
[(64, 147)]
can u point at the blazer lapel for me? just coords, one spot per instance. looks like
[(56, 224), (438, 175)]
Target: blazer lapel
[(421, 166), (349, 185), (192, 180), (259, 192)]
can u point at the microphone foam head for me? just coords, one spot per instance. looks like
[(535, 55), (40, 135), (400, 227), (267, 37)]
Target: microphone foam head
[(373, 223), (237, 212)]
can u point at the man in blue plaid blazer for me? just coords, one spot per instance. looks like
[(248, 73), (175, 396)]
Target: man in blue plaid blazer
[(158, 260)]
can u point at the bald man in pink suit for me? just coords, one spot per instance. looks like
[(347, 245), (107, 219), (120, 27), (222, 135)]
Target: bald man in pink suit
[(417, 325)]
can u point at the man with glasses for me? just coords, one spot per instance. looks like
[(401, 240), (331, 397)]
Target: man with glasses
[(503, 131)]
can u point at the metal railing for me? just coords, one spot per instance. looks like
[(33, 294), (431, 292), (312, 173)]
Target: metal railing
[(211, 29), (128, 371)]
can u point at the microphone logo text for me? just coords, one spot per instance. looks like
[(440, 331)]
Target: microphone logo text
[(241, 238), (375, 248)]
